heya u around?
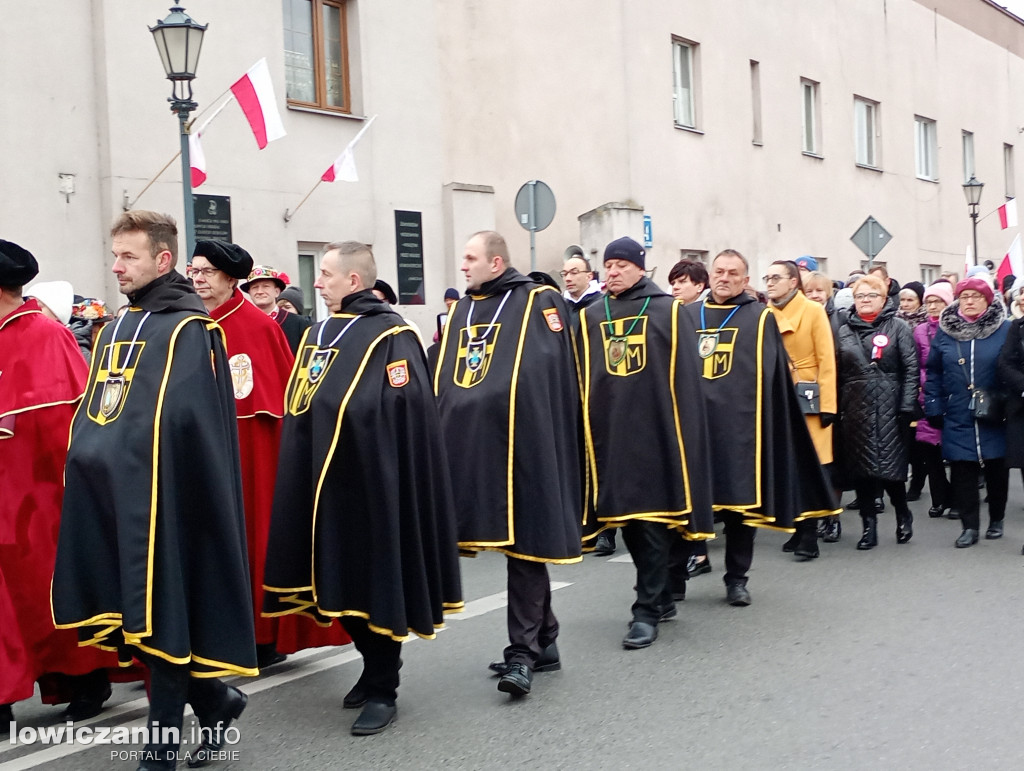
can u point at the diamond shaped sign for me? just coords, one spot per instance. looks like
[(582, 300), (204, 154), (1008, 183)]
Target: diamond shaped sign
[(871, 237)]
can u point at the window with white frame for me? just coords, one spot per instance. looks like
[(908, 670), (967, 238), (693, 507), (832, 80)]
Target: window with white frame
[(967, 140), (926, 148), (930, 274), (755, 100), (810, 109), (865, 118), (1008, 170), (684, 81)]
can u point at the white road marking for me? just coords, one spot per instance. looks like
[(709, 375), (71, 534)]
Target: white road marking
[(622, 558), (50, 753)]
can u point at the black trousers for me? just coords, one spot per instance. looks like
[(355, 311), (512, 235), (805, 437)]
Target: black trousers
[(648, 544), (938, 485), (964, 481), (532, 625), (381, 660), (739, 547), (170, 688), (918, 466), (870, 489)]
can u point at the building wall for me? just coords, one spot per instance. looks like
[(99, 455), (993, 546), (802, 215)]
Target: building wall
[(580, 96)]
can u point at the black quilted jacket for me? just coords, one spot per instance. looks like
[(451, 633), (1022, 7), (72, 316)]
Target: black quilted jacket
[(874, 393)]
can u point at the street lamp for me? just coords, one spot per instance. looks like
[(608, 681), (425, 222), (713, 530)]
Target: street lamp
[(179, 39), (972, 192)]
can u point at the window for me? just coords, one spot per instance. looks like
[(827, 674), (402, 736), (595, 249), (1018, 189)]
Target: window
[(309, 270), (1008, 170), (811, 126), (755, 99), (316, 54), (865, 118), (684, 80), (927, 154), (967, 140), (930, 274)]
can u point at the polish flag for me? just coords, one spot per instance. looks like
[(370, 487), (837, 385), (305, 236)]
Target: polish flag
[(1008, 214), (1013, 262), (255, 94), (344, 166), (196, 159)]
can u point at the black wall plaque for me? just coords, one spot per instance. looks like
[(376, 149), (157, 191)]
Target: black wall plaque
[(409, 246), (213, 217)]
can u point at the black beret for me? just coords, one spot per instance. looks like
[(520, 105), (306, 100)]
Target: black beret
[(385, 289), (544, 279), (17, 265), (231, 258)]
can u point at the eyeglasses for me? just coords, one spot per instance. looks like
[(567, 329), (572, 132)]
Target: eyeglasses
[(772, 279), (573, 272), (971, 296), (867, 296), (207, 272)]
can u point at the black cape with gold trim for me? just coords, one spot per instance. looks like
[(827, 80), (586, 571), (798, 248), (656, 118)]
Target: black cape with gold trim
[(363, 521), (762, 458), (646, 436), (152, 537), (510, 410)]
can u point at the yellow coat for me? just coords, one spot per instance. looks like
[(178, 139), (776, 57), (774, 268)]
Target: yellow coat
[(807, 336)]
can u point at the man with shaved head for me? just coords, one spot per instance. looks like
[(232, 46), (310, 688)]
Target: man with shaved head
[(362, 528), (510, 406)]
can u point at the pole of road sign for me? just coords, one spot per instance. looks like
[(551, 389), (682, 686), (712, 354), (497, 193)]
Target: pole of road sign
[(871, 245), (533, 225)]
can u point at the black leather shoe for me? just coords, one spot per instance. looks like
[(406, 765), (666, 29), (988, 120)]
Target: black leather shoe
[(375, 717), (355, 698), (904, 527), (85, 706), (605, 545), (737, 594), (834, 530), (267, 655), (697, 568), (869, 538), (517, 680), (879, 505), (967, 538), (995, 530), (790, 546), (807, 547), (215, 724), (936, 511), (640, 635), (853, 505), (548, 661), (913, 495), (6, 718), (669, 614), (822, 528)]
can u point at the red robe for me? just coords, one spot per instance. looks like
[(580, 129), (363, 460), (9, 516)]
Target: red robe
[(42, 378), (261, 362)]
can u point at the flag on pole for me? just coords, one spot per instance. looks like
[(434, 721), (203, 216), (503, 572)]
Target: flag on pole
[(196, 159), (344, 166), (1008, 214), (255, 94), (1013, 262)]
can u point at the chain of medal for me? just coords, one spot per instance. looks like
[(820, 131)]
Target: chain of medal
[(707, 343), (319, 357), (477, 346), (618, 344), (114, 385)]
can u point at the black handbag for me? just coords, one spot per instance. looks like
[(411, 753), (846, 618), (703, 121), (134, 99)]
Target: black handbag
[(809, 396), (984, 406)]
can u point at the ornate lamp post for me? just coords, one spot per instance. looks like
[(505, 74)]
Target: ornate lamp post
[(179, 39), (972, 192)]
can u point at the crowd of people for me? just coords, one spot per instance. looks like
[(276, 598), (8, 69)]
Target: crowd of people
[(241, 483)]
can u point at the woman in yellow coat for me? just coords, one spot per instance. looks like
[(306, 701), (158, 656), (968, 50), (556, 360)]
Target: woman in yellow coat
[(807, 337)]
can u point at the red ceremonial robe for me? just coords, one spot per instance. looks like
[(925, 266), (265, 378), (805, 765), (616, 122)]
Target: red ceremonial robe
[(42, 378), (261, 362)]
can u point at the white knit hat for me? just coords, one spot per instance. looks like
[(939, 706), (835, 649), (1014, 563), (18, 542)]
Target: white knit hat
[(58, 296)]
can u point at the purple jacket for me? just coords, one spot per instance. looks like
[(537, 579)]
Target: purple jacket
[(923, 334)]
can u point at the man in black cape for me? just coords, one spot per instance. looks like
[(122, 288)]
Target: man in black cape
[(152, 539), (508, 393), (765, 469), (363, 526), (638, 417)]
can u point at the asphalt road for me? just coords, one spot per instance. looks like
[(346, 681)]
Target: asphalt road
[(904, 656)]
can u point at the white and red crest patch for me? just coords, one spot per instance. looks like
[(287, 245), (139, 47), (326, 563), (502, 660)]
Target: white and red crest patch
[(398, 373), (553, 319)]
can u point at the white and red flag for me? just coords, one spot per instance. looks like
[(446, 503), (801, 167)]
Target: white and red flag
[(344, 166), (196, 159), (1013, 262), (255, 94), (1008, 214)]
